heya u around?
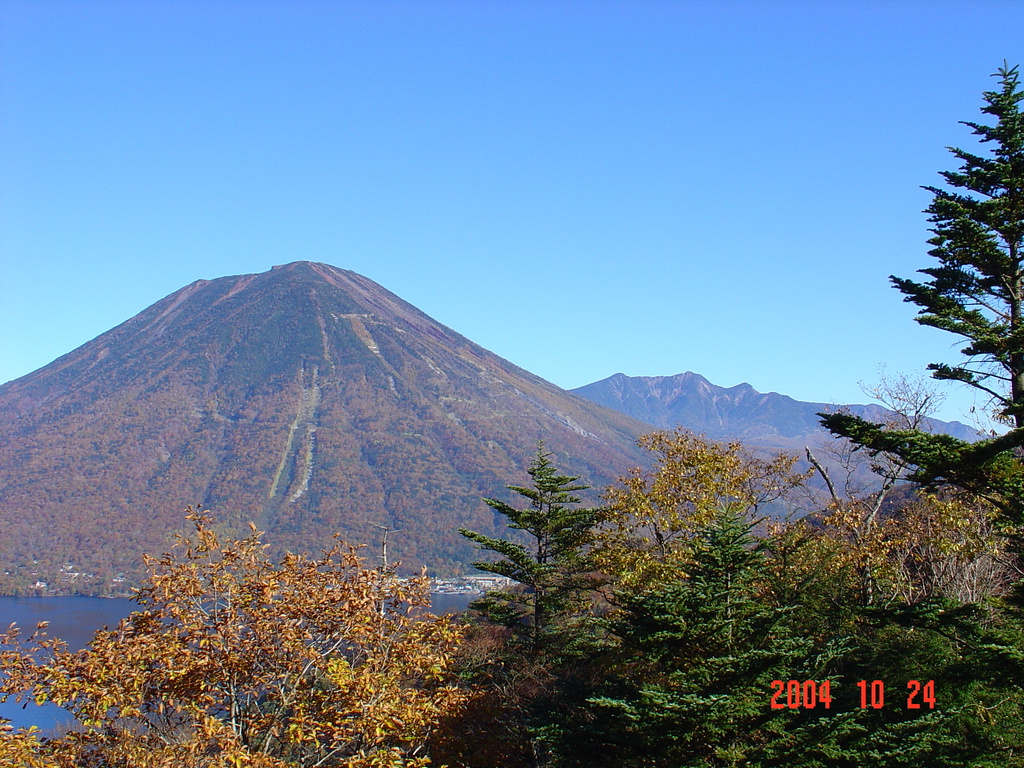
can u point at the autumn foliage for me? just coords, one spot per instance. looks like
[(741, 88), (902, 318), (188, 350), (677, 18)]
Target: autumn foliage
[(235, 660), (653, 516)]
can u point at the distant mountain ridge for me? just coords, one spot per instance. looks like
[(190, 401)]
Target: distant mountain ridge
[(307, 399), (738, 413)]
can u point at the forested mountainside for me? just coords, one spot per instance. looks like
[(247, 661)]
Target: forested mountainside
[(307, 399)]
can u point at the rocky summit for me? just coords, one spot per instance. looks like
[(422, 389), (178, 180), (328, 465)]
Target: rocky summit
[(308, 400)]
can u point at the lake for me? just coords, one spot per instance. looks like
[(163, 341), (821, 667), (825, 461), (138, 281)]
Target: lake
[(76, 619)]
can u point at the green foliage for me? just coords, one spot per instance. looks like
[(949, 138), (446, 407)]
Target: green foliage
[(689, 683), (972, 653), (989, 469), (977, 289), (976, 292), (686, 675), (553, 569)]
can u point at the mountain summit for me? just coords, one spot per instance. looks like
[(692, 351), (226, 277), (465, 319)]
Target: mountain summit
[(307, 399)]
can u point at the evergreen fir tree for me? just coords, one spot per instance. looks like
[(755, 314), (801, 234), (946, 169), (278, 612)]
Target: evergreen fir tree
[(976, 292), (690, 682), (553, 568)]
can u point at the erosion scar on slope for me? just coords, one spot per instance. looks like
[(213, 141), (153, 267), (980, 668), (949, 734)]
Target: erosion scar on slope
[(296, 466)]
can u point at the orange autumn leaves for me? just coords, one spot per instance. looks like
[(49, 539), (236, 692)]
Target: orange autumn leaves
[(235, 660)]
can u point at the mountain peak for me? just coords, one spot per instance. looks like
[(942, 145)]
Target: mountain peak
[(307, 399)]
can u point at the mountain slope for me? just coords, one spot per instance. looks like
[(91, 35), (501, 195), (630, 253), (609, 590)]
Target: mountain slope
[(307, 399), (738, 413)]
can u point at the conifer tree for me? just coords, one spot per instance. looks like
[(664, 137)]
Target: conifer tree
[(691, 682), (553, 568), (976, 292)]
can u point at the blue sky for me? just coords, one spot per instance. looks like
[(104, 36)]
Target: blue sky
[(581, 187)]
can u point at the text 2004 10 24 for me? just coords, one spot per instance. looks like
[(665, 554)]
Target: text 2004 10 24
[(810, 694)]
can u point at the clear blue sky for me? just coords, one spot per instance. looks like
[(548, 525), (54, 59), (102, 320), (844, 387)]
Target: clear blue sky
[(581, 187)]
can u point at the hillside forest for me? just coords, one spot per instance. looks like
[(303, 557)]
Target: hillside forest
[(676, 624)]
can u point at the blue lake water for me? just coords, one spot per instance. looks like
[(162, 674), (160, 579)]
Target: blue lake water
[(76, 619), (73, 619)]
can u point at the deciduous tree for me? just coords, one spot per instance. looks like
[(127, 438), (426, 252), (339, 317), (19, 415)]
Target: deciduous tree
[(654, 515), (233, 659)]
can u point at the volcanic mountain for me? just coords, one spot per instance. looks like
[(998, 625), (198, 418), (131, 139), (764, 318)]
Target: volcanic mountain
[(307, 399)]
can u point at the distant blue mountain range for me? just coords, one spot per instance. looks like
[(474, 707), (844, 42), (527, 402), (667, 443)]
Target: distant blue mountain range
[(739, 413)]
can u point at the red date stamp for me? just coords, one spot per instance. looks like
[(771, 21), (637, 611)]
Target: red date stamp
[(810, 694)]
